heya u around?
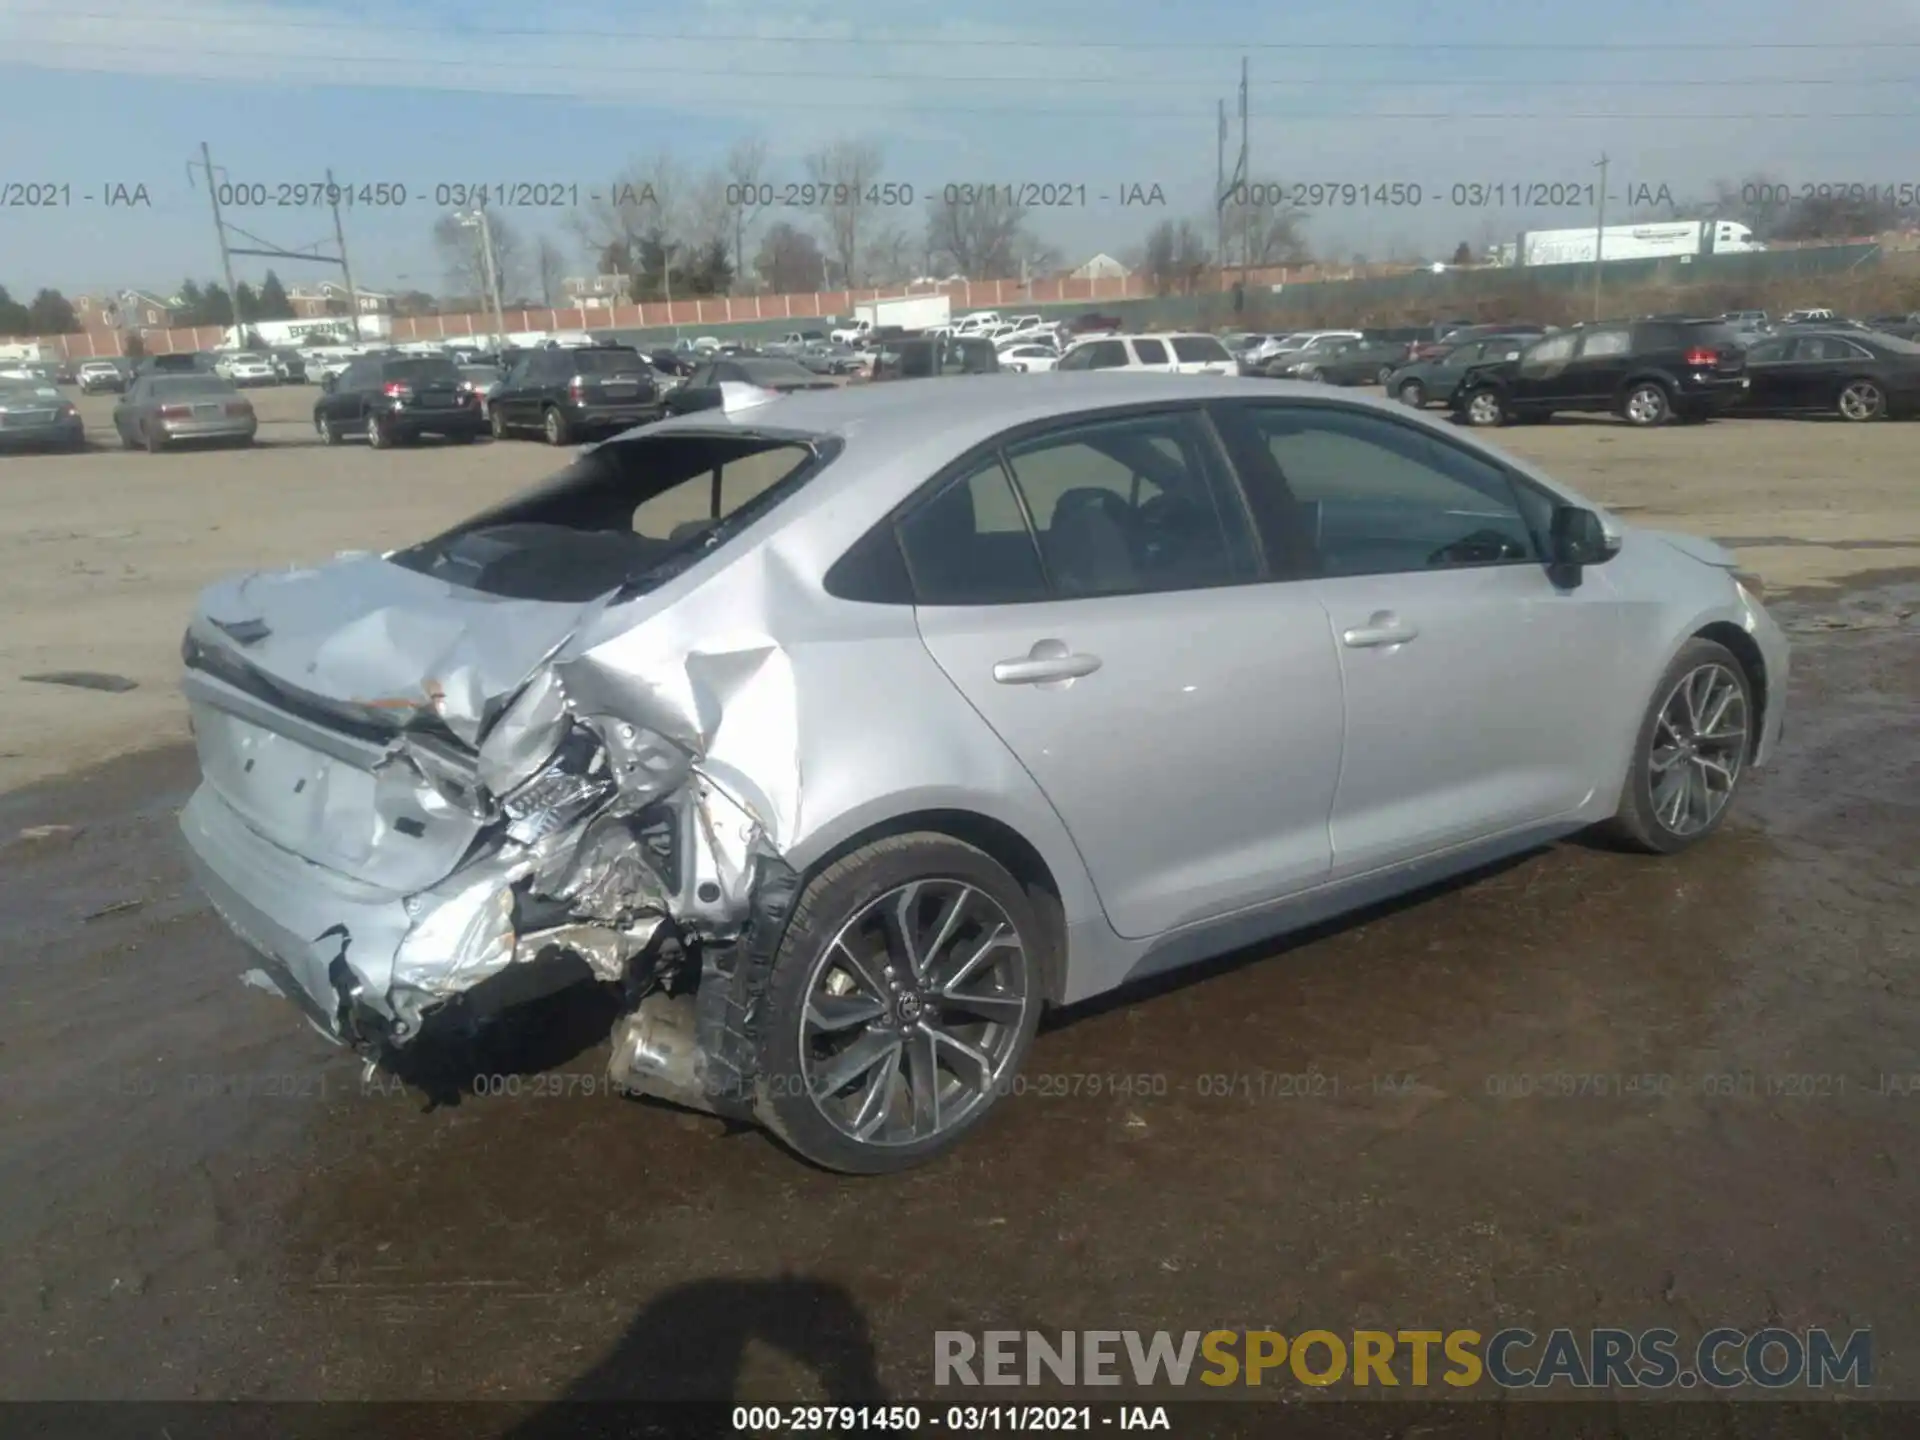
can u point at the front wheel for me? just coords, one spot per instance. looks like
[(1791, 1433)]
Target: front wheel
[(1485, 408), (902, 1001), (1691, 752), (1647, 404), (1862, 400), (1413, 393)]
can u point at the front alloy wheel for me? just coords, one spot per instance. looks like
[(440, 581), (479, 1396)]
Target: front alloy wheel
[(1485, 407), (903, 999), (1692, 751), (1413, 393), (1862, 400)]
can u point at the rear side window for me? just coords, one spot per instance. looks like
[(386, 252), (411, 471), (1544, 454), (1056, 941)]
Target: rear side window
[(1194, 349), (1603, 343), (970, 545)]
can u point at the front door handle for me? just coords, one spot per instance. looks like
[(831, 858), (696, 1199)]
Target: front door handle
[(1382, 628), (1048, 662)]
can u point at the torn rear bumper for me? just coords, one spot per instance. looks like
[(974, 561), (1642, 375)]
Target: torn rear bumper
[(370, 966)]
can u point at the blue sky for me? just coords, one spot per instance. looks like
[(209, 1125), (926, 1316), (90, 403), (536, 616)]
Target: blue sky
[(1101, 93)]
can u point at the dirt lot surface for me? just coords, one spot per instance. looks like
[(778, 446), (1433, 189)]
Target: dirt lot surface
[(204, 1200)]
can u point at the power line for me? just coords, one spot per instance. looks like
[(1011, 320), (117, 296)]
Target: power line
[(1421, 47), (945, 78)]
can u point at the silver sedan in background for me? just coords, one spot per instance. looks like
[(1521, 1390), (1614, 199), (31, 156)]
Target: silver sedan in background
[(162, 410), (841, 733)]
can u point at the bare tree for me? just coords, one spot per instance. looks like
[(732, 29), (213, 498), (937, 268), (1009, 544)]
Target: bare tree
[(746, 179), (1176, 257), (644, 207), (1263, 235), (842, 175), (892, 256), (979, 236), (789, 260), (552, 268), (462, 259)]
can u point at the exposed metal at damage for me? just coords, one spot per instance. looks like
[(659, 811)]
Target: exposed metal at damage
[(464, 800)]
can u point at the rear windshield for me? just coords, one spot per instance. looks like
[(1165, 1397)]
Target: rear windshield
[(1896, 344), (424, 369), (775, 372), (22, 390), (192, 385), (610, 362), (1199, 347), (628, 515)]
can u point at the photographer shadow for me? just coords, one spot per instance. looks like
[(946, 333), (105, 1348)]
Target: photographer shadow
[(690, 1343)]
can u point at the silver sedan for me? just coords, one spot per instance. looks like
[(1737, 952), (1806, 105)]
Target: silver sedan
[(840, 734), (167, 409)]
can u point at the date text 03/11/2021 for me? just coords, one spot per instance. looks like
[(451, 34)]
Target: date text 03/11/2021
[(950, 1419)]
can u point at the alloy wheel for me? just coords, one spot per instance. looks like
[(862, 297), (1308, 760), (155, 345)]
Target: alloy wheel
[(1647, 405), (1414, 394), (1699, 745), (1861, 400), (1484, 408), (914, 1013)]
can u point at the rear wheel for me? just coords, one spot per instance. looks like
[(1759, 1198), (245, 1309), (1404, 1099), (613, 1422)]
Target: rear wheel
[(1647, 404), (1862, 400), (155, 439), (555, 425), (1485, 408), (1413, 393), (378, 436), (329, 432), (496, 422), (901, 1002), (1691, 752), (1315, 375), (1383, 375)]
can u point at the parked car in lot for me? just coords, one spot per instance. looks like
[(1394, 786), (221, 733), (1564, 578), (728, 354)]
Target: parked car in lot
[(706, 387), (1856, 376), (1343, 362), (481, 381), (289, 366), (570, 394), (1165, 354), (163, 410), (1029, 359), (178, 362), (247, 368), (921, 358), (1647, 372), (567, 740), (96, 376), (34, 415), (1432, 381), (396, 399), (1260, 359)]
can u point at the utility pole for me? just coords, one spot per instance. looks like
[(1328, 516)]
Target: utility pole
[(1245, 176), (493, 276), (1220, 193), (346, 271), (1600, 236), (226, 260)]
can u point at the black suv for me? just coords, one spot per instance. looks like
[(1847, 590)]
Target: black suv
[(1645, 371), (922, 358), (572, 392), (395, 398)]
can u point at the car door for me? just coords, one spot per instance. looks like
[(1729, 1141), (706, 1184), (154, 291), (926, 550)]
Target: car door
[(1480, 696), (1540, 381), (1111, 619), (1598, 368), (1821, 365), (1443, 375), (1773, 384), (346, 404)]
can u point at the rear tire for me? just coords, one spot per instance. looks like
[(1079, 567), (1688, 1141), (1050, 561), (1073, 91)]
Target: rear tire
[(497, 423), (155, 440), (834, 923), (1647, 405), (554, 424), (1413, 393), (1861, 401), (1383, 375), (1690, 752), (378, 436)]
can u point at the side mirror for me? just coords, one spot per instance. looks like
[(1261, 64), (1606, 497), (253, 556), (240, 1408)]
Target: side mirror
[(1576, 539)]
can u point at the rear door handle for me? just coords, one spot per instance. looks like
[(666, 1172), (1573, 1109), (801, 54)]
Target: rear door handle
[(1381, 629), (1049, 661)]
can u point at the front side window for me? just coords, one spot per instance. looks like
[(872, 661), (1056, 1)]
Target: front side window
[(1372, 497), (1104, 355), (1548, 353), (1150, 352)]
